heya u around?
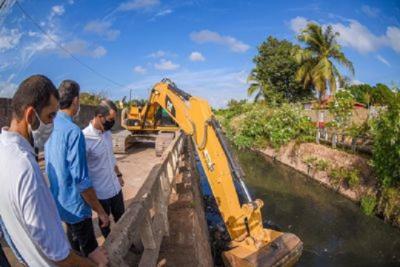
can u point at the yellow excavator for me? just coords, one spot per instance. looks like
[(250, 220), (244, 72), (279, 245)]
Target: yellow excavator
[(251, 244)]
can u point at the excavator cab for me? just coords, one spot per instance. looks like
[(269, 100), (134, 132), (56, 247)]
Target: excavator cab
[(251, 244)]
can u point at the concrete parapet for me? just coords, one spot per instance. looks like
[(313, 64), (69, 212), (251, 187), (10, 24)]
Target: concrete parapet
[(136, 238)]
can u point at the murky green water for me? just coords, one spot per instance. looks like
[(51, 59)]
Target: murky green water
[(333, 229)]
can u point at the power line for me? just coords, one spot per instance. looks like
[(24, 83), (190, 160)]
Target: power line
[(66, 50)]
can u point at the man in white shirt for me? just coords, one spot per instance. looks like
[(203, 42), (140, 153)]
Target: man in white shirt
[(103, 171), (27, 210)]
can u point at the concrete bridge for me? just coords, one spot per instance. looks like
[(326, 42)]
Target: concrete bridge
[(164, 222)]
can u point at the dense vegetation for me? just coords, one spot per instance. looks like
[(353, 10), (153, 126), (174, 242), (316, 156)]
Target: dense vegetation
[(92, 99), (286, 74), (259, 125), (377, 95)]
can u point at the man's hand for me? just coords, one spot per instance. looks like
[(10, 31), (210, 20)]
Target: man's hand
[(104, 219), (74, 259), (119, 175), (121, 180), (89, 195), (99, 256)]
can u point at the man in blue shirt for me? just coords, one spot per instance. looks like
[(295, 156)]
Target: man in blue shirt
[(66, 167)]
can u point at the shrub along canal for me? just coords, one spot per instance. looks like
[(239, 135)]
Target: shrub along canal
[(333, 229)]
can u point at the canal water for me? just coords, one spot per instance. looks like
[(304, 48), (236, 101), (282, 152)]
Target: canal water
[(333, 229)]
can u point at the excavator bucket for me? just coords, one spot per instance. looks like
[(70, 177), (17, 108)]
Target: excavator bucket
[(285, 250)]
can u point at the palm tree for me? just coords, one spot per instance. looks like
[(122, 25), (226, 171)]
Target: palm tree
[(256, 87), (316, 60), (317, 68), (262, 90)]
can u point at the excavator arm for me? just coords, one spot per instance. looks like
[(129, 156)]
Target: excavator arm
[(252, 244)]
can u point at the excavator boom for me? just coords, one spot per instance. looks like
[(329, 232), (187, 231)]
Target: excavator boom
[(251, 244)]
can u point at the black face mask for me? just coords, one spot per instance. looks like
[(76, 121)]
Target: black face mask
[(108, 125)]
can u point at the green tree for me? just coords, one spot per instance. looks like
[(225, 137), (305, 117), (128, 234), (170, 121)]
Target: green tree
[(362, 93), (317, 68), (91, 99), (386, 146), (273, 77), (381, 95), (341, 109)]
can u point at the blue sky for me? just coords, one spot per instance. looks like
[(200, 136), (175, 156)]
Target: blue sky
[(205, 46)]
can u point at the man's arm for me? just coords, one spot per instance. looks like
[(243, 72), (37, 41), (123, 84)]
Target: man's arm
[(43, 223), (119, 175), (75, 260), (89, 195), (80, 173)]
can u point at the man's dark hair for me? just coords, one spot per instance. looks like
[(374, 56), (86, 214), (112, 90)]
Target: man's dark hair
[(35, 91), (68, 90), (109, 104), (101, 110)]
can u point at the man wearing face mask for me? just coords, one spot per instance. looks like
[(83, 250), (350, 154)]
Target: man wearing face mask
[(106, 177), (29, 219), (70, 184)]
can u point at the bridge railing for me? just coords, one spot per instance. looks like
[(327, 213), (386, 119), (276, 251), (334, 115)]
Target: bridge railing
[(342, 139), (136, 238)]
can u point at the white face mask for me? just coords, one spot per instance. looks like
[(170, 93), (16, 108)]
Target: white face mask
[(42, 133)]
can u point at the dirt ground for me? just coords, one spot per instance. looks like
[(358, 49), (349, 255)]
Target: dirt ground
[(294, 156)]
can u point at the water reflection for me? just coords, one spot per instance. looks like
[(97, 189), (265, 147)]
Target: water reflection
[(333, 229)]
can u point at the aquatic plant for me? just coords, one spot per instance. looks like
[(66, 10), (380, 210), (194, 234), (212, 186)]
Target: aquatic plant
[(368, 204)]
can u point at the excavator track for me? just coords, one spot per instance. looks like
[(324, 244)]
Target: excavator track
[(121, 141)]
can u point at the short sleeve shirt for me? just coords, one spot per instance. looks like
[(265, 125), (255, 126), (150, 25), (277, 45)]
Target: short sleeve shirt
[(101, 162)]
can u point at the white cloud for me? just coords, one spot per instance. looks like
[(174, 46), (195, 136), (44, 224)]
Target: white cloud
[(7, 88), (371, 12), (298, 24), (137, 4), (98, 52), (358, 36), (9, 38), (196, 56), (57, 11), (163, 12), (81, 47), (393, 35), (164, 64), (206, 36), (102, 28), (75, 47), (158, 54), (41, 45), (383, 60), (356, 82), (5, 65), (139, 69)]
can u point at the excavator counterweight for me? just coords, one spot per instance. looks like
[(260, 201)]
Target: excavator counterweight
[(251, 243)]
